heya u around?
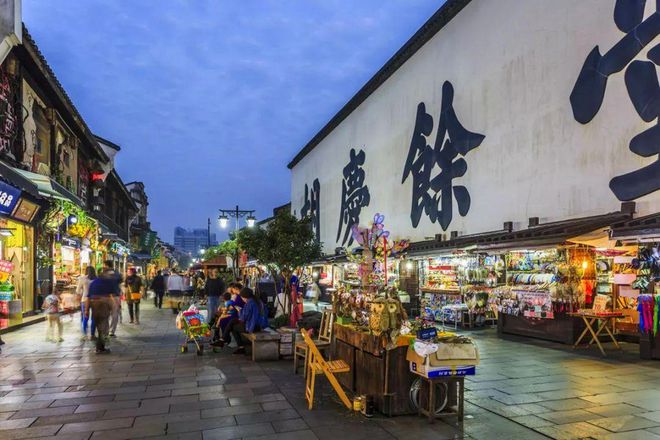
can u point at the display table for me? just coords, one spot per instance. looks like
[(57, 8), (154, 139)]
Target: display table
[(605, 321), (563, 328), (376, 371)]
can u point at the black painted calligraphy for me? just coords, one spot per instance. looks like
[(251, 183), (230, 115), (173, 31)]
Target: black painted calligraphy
[(354, 196), (433, 192), (312, 207), (641, 81)]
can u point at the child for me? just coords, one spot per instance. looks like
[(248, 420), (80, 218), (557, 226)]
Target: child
[(51, 307), (228, 314)]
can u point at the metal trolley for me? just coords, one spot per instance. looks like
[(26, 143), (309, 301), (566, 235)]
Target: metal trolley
[(195, 329)]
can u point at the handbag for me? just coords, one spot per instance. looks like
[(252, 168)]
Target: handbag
[(136, 296)]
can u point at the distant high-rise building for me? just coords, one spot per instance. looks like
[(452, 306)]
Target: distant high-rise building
[(192, 240)]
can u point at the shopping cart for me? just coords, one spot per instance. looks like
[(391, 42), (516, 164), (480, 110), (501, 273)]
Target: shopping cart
[(195, 329)]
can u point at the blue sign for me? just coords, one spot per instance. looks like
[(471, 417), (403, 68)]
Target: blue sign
[(8, 198)]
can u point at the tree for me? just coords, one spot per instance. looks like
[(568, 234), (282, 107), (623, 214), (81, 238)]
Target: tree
[(284, 245)]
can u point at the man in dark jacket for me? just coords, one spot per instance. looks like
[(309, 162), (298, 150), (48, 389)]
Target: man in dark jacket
[(158, 286), (214, 289)]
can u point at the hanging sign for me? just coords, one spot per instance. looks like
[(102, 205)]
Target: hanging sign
[(25, 210), (9, 196), (6, 267)]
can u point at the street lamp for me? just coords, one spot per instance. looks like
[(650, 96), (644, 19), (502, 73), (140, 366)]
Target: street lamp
[(236, 214), (224, 220)]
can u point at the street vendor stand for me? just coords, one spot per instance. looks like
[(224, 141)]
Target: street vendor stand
[(376, 370), (604, 320)]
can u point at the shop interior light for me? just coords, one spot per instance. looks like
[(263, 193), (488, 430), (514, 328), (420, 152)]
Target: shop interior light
[(224, 220), (72, 219), (250, 221), (409, 265), (315, 274), (6, 232), (585, 264)]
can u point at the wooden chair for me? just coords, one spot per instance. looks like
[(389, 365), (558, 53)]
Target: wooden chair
[(322, 342), (315, 364)]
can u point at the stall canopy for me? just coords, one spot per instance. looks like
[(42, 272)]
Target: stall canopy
[(546, 234), (643, 228), (47, 187), (220, 260)]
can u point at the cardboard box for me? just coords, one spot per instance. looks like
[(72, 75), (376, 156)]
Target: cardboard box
[(431, 372)]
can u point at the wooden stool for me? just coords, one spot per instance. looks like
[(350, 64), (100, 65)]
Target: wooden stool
[(455, 391)]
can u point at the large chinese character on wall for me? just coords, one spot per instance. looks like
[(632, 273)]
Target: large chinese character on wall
[(433, 192), (312, 207), (354, 196), (641, 81)]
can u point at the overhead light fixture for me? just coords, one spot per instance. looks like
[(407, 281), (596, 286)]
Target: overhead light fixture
[(6, 232), (223, 221), (72, 219), (250, 221)]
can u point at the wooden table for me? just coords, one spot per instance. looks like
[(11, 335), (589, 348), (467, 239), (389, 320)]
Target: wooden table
[(605, 321)]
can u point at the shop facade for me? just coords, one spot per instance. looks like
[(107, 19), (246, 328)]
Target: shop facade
[(20, 207), (507, 162)]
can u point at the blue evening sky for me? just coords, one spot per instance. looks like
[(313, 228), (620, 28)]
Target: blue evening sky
[(210, 100)]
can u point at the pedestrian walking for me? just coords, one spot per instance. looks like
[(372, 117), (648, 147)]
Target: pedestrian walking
[(158, 286), (133, 286), (114, 279), (83, 290), (51, 307), (214, 289), (101, 302)]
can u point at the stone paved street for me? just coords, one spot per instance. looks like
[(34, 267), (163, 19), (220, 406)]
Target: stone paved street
[(146, 388)]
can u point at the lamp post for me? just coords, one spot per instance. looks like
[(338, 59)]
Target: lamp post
[(237, 214)]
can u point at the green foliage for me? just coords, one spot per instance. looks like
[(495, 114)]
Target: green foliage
[(227, 247), (279, 321), (286, 244)]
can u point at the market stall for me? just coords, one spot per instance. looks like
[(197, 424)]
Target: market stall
[(372, 334)]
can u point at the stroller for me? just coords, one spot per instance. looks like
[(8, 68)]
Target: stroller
[(195, 329)]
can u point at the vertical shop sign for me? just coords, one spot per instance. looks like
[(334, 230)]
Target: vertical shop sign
[(354, 196), (8, 128), (641, 81), (434, 194), (8, 198), (312, 207)]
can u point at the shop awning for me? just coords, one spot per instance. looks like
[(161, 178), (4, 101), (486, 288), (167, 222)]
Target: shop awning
[(49, 188), (645, 228), (15, 178), (546, 234)]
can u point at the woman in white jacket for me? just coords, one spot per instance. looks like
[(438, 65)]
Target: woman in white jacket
[(83, 290)]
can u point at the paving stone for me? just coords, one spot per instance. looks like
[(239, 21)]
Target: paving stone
[(263, 398), (289, 425), (353, 431), (107, 406), (532, 421), (82, 401), (207, 404), (130, 433), (567, 404), (239, 431), (34, 432), (201, 425), (630, 435), (4, 407), (268, 416), (68, 418), (624, 423), (44, 412), (231, 411), (570, 416), (298, 435), (572, 431), (97, 425), (171, 418), (17, 423), (619, 409), (272, 406)]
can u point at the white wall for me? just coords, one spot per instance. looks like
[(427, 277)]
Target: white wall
[(513, 65)]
